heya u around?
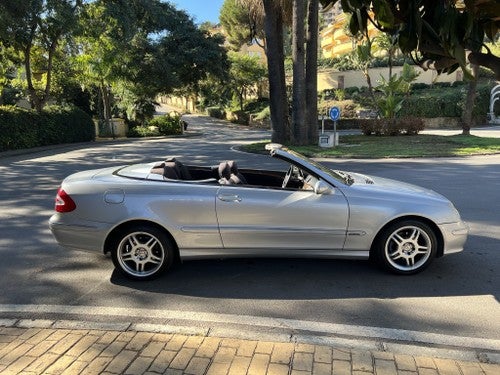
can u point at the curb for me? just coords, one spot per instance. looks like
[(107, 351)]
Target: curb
[(311, 338)]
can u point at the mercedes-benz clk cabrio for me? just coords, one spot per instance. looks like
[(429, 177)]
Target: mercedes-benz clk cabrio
[(149, 216)]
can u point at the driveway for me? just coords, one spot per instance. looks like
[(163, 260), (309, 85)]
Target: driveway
[(458, 295)]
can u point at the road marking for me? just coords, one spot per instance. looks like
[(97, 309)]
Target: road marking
[(290, 325)]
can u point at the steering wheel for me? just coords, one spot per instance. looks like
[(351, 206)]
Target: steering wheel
[(287, 176)]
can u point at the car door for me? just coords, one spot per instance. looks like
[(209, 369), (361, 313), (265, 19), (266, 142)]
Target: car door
[(281, 219)]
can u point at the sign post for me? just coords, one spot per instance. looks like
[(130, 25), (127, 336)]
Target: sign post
[(334, 113)]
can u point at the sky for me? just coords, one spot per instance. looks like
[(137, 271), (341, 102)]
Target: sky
[(200, 10)]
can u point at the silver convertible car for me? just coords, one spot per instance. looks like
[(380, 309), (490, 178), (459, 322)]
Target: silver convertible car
[(150, 215)]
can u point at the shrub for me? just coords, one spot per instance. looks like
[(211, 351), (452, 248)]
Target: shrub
[(216, 112), (347, 107), (407, 125), (328, 94), (481, 104), (239, 117), (255, 106), (264, 114), (419, 86), (170, 124), (23, 128), (342, 124), (411, 125), (143, 131)]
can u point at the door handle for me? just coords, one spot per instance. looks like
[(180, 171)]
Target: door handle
[(229, 197)]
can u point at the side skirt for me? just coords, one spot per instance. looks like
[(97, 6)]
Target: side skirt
[(272, 253)]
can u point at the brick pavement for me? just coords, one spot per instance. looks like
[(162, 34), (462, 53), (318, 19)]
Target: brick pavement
[(88, 351)]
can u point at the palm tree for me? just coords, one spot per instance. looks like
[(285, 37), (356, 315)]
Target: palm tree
[(273, 28), (312, 70), (299, 126), (277, 14)]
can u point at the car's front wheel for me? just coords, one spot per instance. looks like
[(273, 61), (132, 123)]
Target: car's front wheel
[(142, 252), (406, 247)]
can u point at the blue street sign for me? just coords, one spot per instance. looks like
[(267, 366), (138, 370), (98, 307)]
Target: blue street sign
[(334, 113)]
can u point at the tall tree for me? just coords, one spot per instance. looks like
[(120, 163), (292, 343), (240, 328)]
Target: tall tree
[(386, 43), (312, 70), (299, 127), (241, 23), (246, 72), (34, 28), (304, 101), (276, 14), (273, 26), (105, 33), (144, 48)]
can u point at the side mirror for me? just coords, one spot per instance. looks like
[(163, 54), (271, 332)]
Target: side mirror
[(322, 188)]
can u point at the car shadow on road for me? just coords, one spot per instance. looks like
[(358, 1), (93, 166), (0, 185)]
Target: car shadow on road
[(316, 279)]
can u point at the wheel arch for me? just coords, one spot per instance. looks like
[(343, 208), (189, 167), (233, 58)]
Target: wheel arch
[(430, 223), (113, 235)]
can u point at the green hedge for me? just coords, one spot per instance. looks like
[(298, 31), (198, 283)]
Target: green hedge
[(23, 128), (446, 101), (445, 104), (481, 104), (407, 125), (216, 112)]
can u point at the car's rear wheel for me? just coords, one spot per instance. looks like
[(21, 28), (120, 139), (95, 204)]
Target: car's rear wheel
[(142, 252), (406, 247)]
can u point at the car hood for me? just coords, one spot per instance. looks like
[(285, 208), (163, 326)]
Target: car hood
[(391, 187)]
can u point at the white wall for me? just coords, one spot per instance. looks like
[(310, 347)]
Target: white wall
[(329, 79)]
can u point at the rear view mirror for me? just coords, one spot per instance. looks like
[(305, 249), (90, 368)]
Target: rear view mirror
[(322, 188)]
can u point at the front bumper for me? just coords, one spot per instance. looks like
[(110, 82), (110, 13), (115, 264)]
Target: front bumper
[(454, 236), (82, 235)]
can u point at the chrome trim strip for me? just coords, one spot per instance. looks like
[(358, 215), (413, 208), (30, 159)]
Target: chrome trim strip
[(200, 229), (74, 226), (356, 233), (238, 229)]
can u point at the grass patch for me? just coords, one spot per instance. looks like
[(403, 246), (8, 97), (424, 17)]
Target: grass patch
[(373, 147)]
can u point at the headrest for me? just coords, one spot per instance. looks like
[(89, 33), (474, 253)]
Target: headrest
[(233, 166), (169, 171), (224, 170)]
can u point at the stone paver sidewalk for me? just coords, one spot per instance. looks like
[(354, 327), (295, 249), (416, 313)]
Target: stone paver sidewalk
[(64, 351)]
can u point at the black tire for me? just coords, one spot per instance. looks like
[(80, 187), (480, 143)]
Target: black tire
[(406, 247), (142, 252)]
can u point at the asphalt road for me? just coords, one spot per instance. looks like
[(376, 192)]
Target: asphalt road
[(458, 295)]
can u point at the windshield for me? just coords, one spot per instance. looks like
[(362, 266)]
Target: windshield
[(339, 176)]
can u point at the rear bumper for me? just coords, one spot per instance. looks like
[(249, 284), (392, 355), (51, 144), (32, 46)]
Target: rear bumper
[(84, 235), (454, 236)]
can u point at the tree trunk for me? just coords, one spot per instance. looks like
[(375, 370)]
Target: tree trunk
[(241, 99), (52, 50), (106, 104), (273, 27), (38, 100), (33, 97), (299, 125), (390, 64), (366, 73), (469, 102), (312, 71)]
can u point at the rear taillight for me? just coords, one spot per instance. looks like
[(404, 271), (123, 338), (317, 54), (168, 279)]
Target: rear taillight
[(64, 203)]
